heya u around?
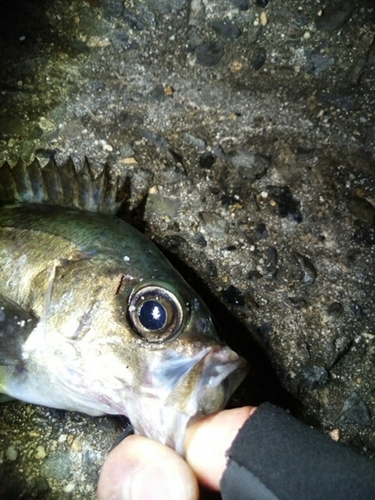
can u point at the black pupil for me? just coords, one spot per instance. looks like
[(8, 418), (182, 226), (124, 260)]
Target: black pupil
[(152, 315)]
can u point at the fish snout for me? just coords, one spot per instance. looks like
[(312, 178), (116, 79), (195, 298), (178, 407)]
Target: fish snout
[(223, 372), (208, 381)]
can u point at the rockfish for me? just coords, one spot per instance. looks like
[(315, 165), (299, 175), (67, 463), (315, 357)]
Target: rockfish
[(93, 318)]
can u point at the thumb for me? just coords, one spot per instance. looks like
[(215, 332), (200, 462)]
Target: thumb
[(142, 469)]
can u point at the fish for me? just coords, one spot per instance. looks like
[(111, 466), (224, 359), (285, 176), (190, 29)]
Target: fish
[(93, 317)]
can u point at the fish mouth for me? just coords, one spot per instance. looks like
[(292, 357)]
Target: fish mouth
[(207, 384), (194, 387), (179, 389), (223, 372)]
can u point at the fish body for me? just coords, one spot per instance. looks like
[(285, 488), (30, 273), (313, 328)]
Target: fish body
[(93, 318)]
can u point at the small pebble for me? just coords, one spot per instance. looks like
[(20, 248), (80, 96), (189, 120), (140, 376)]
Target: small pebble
[(209, 54), (260, 232), (196, 142), (263, 18), (57, 467), (355, 411), (254, 274), (259, 59), (297, 302), (213, 225), (228, 201), (335, 434), (236, 66), (241, 5), (251, 165), (335, 309), (69, 488), (77, 443), (234, 296), (334, 16), (11, 453), (40, 453), (287, 205), (309, 272), (207, 160), (314, 377), (226, 28), (169, 91)]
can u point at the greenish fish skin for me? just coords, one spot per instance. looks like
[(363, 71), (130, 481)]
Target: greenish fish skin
[(72, 287)]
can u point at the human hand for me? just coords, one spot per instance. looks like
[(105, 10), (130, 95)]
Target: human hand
[(142, 469)]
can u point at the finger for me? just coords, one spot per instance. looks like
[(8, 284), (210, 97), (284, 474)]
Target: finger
[(142, 469), (208, 440)]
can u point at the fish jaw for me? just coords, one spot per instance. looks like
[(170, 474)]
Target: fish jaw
[(161, 387), (173, 390), (181, 390)]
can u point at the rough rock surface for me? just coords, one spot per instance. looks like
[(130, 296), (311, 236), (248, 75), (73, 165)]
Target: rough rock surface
[(245, 132)]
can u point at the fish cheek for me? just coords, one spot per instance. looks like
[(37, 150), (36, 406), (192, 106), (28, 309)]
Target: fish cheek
[(73, 299)]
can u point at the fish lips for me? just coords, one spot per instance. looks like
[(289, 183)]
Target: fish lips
[(184, 389), (204, 384)]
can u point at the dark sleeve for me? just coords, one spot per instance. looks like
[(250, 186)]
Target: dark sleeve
[(276, 457)]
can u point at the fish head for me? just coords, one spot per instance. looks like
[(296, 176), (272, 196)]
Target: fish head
[(121, 332), (150, 352), (188, 371), (118, 330)]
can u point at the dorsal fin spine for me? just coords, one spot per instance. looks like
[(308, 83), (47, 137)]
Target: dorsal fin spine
[(58, 185)]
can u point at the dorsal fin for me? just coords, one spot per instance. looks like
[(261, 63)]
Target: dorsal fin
[(59, 185)]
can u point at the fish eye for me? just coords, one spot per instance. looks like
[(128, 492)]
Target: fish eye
[(152, 315), (155, 313)]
